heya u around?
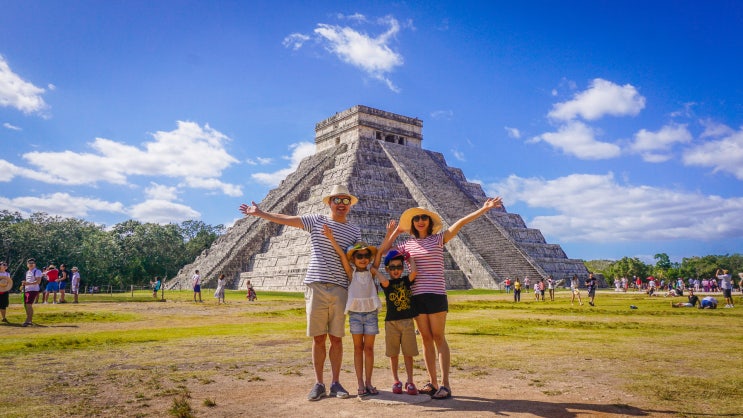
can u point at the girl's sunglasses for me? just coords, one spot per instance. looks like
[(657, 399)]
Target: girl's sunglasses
[(359, 256)]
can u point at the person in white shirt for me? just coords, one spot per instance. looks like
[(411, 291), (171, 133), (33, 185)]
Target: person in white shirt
[(726, 284), (196, 279), (31, 287)]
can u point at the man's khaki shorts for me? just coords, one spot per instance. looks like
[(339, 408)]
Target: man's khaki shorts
[(400, 333), (326, 305)]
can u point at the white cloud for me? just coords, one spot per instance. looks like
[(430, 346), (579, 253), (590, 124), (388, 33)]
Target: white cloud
[(162, 212), (595, 208), (18, 93), (161, 192), (513, 132), (295, 41), (372, 55), (714, 129), (11, 127), (655, 146), (358, 17), (190, 152), (442, 114), (724, 154), (602, 98), (459, 155), (60, 204), (578, 139), (259, 161), (299, 152)]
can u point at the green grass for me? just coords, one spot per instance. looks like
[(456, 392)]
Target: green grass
[(680, 359)]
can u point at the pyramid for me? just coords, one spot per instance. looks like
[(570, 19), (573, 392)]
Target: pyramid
[(378, 155)]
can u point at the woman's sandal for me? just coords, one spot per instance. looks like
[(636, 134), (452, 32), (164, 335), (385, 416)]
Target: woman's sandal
[(363, 392), (371, 390), (442, 393), (427, 389)]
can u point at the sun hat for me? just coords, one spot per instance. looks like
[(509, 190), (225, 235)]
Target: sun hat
[(393, 254), (339, 190), (6, 283), (351, 250), (407, 217), (74, 269)]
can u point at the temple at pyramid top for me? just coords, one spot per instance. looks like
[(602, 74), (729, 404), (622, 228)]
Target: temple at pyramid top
[(379, 157), (363, 121)]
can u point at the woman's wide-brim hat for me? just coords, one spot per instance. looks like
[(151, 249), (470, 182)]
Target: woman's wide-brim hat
[(351, 250), (406, 219), (6, 283), (339, 190)]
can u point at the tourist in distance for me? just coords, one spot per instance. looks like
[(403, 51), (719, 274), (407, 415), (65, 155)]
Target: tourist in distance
[(6, 285), (591, 284), (575, 289), (31, 290), (517, 290), (196, 282), (708, 302), (52, 275), (219, 293), (326, 280), (155, 286), (75, 284), (360, 261), (726, 284), (692, 301), (551, 287), (426, 248), (251, 295), (64, 277)]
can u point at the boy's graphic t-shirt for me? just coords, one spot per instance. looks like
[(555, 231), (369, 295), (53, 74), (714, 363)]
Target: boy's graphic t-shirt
[(398, 296)]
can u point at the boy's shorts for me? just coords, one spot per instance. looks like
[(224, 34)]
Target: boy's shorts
[(197, 288), (52, 287), (400, 333), (366, 323), (326, 305)]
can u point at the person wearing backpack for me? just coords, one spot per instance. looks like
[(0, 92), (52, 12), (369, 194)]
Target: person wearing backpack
[(31, 290)]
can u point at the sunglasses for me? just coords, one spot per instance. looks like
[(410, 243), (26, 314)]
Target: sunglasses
[(417, 218), (360, 256), (395, 267), (339, 200)]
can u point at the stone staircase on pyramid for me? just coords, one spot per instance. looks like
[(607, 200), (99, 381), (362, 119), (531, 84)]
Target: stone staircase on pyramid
[(378, 156)]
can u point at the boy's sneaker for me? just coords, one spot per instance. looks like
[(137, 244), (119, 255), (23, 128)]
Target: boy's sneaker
[(397, 388), (411, 389), (337, 391), (317, 392)]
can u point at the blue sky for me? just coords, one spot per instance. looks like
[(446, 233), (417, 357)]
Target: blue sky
[(616, 128)]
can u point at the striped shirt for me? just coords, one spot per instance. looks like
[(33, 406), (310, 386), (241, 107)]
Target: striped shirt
[(325, 266), (428, 254)]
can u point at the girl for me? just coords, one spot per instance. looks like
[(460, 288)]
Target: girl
[(574, 288), (362, 306), (219, 293)]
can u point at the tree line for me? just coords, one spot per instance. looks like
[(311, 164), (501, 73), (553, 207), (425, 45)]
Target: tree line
[(129, 253), (689, 267)]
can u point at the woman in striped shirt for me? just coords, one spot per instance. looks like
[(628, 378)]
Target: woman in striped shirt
[(426, 248)]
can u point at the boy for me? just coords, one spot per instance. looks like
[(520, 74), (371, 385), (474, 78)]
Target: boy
[(398, 323)]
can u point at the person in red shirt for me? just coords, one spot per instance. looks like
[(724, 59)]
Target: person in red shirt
[(52, 286)]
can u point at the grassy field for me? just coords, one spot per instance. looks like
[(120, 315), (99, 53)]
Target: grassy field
[(130, 355)]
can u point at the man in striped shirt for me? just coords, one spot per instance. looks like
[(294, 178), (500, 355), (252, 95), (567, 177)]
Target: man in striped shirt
[(326, 281)]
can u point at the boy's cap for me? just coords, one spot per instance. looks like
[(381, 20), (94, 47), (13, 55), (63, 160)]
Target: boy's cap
[(393, 254)]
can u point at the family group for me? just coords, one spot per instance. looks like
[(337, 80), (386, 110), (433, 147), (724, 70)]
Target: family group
[(342, 280)]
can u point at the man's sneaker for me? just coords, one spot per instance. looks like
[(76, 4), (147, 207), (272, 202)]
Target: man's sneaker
[(317, 392), (336, 390)]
